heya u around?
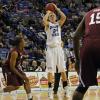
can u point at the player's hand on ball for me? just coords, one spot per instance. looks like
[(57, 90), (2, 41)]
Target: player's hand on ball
[(50, 7), (48, 11), (55, 6)]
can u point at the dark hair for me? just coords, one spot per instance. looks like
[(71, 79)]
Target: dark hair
[(15, 41)]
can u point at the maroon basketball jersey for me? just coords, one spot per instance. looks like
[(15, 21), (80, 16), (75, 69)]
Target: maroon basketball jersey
[(92, 23), (18, 58)]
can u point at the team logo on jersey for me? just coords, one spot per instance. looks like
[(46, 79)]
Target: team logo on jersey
[(54, 30)]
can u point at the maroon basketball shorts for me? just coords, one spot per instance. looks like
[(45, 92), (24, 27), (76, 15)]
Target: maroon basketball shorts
[(15, 80), (89, 62)]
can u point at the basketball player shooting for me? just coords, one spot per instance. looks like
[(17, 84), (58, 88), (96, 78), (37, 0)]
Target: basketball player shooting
[(54, 54)]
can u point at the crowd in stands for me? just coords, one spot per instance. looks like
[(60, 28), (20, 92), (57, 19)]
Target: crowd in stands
[(25, 16)]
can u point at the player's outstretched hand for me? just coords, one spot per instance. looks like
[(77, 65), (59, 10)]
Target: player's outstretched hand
[(48, 11), (25, 78)]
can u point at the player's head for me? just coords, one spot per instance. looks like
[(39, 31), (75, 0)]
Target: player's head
[(18, 42), (21, 42), (52, 17)]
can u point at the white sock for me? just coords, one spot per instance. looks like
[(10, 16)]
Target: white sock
[(29, 95), (1, 90), (50, 89), (66, 87), (14, 95)]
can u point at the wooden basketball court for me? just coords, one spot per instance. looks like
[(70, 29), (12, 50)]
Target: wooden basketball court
[(92, 94), (40, 91)]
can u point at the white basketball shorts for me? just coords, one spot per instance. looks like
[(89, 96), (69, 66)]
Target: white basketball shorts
[(55, 58)]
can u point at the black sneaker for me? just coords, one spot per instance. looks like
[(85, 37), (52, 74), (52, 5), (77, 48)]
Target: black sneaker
[(55, 94)]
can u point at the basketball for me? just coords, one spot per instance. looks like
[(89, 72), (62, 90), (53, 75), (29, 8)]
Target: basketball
[(50, 7)]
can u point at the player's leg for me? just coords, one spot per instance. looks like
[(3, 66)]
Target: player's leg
[(9, 78), (51, 63), (64, 80), (12, 83), (56, 82), (62, 68), (50, 76), (26, 85), (65, 85), (87, 77), (28, 90), (9, 89), (67, 65), (79, 92), (57, 79), (49, 59), (50, 69)]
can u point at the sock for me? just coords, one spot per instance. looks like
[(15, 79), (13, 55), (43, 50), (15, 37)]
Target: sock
[(1, 90), (64, 84), (29, 95), (49, 85), (14, 95)]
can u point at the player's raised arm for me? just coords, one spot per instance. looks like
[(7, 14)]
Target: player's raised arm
[(78, 34), (62, 18), (45, 19), (76, 42)]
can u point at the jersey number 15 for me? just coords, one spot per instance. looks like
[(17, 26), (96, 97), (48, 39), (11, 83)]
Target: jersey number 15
[(95, 18)]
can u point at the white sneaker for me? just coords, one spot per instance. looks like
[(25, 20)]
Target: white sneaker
[(50, 94), (67, 92)]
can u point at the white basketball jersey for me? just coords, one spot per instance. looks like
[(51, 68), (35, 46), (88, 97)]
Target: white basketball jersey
[(53, 35)]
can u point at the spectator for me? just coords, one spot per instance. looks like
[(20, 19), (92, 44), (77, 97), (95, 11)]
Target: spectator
[(33, 66), (26, 16)]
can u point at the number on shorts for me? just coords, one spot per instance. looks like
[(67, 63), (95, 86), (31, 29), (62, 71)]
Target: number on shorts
[(95, 20)]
